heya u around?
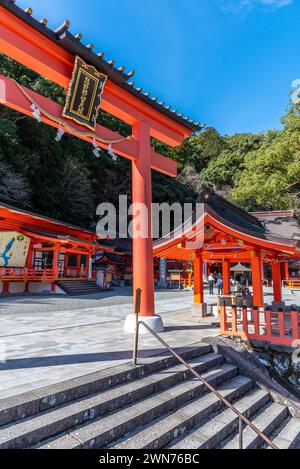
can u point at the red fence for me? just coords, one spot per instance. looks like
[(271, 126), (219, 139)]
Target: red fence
[(24, 274), (280, 328), (292, 284)]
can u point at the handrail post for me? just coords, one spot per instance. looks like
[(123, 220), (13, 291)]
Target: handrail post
[(241, 429), (136, 333)]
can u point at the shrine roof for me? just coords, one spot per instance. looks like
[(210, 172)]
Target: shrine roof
[(73, 45), (112, 257), (230, 212), (227, 218), (29, 214), (280, 222), (120, 244), (61, 237)]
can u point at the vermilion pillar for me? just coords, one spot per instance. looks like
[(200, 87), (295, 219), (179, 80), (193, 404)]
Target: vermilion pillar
[(257, 281), (226, 277), (143, 270), (285, 271), (55, 261), (198, 280), (29, 257), (276, 277)]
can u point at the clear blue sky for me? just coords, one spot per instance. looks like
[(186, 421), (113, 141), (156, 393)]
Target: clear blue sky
[(228, 63)]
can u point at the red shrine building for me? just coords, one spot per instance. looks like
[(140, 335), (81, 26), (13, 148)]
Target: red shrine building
[(37, 253), (221, 233)]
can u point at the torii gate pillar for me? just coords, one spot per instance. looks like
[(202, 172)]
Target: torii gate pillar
[(143, 270)]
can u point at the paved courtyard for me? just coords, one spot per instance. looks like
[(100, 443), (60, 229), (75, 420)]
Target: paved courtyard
[(53, 339)]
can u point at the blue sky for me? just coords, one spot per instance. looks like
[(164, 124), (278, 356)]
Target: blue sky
[(228, 63)]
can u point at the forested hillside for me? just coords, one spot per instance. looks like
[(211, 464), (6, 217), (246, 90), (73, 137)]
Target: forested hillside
[(64, 180)]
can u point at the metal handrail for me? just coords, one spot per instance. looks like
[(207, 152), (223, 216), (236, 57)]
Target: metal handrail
[(242, 419)]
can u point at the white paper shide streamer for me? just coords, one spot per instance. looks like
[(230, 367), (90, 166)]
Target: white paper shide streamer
[(36, 113), (111, 152), (60, 133), (96, 150)]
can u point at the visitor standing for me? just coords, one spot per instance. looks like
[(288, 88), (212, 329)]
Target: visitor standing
[(220, 285), (211, 282)]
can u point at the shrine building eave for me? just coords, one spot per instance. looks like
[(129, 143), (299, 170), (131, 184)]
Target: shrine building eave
[(216, 216)]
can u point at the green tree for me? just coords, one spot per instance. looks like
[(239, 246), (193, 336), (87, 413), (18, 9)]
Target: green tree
[(271, 178)]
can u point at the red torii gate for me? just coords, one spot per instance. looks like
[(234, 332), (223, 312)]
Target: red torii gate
[(52, 55)]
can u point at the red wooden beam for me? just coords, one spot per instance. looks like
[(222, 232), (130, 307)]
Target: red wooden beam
[(12, 96), (21, 42)]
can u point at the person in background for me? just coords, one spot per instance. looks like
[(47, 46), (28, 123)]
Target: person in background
[(243, 283), (211, 282), (215, 277), (220, 285)]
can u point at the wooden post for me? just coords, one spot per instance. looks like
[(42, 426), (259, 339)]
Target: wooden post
[(285, 271), (143, 269), (226, 277), (245, 320), (256, 321), (198, 280), (55, 261), (257, 282), (78, 265), (5, 290), (234, 319), (29, 260), (277, 282), (295, 324)]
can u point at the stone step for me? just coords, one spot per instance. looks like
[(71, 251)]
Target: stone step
[(31, 431), (78, 287), (32, 403), (168, 429), (103, 431), (224, 424), (267, 421), (289, 436)]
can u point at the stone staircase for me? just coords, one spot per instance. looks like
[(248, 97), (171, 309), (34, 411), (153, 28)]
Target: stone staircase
[(78, 287), (155, 405)]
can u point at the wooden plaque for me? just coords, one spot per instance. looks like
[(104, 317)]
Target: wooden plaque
[(84, 94)]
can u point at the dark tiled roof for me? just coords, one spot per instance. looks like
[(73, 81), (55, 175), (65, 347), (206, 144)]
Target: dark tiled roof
[(230, 212), (280, 223), (74, 46), (122, 245)]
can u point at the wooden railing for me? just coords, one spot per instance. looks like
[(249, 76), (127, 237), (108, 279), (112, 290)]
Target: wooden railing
[(292, 284), (278, 328), (73, 272), (24, 274)]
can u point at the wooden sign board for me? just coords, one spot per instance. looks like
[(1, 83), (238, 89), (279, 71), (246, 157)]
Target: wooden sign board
[(84, 94)]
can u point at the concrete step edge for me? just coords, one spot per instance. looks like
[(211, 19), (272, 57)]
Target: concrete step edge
[(103, 431), (266, 421), (48, 424), (224, 423), (32, 403), (166, 430)]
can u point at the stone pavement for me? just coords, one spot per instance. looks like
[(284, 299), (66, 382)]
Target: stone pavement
[(53, 339), (47, 347)]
